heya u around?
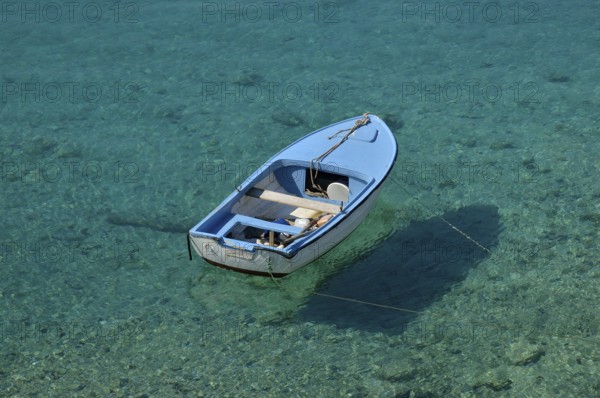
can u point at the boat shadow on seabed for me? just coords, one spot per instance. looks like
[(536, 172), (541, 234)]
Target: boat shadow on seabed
[(411, 269)]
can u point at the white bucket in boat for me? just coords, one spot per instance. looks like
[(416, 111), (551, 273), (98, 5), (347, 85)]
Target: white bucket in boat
[(301, 222)]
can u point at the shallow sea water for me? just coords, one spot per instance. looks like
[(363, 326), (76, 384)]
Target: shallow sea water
[(123, 124)]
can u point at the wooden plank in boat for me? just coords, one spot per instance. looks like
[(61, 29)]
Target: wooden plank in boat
[(286, 199), (301, 212)]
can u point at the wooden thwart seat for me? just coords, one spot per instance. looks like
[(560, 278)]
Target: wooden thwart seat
[(292, 200)]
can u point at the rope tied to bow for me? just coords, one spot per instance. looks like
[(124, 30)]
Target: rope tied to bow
[(316, 161)]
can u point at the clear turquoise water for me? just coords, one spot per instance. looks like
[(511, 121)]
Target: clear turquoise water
[(124, 124)]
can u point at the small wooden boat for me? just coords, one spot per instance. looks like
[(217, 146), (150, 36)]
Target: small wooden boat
[(302, 202)]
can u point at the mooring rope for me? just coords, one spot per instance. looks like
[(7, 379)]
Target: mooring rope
[(482, 247), (390, 307), (315, 293), (466, 236)]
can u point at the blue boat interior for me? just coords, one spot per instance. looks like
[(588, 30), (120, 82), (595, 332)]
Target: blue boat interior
[(244, 218)]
